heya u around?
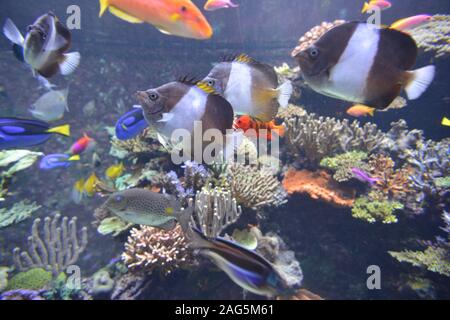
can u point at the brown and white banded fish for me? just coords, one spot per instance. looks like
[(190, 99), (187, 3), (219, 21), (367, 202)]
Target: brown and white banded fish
[(250, 86), (364, 64), (44, 46)]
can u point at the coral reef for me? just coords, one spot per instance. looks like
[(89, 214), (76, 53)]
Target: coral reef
[(215, 210), (255, 188), (113, 225), (313, 35), (318, 185), (22, 294), (373, 209), (3, 278), (433, 36), (152, 249), (19, 212), (291, 111), (33, 279), (58, 249), (344, 163)]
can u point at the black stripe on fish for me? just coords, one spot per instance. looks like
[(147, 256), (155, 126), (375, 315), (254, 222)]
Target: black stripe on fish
[(218, 114)]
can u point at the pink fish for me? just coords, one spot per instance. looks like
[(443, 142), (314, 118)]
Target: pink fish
[(411, 22), (212, 5), (364, 176), (376, 4)]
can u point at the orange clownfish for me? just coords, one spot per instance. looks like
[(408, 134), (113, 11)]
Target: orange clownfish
[(247, 123)]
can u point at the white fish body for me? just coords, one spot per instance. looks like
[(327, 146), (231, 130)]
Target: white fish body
[(51, 106)]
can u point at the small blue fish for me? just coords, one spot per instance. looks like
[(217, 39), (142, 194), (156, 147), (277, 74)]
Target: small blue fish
[(246, 268), (53, 161), (21, 133), (131, 124)]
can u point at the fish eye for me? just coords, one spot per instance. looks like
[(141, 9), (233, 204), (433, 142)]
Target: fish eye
[(211, 83), (153, 96), (183, 9), (314, 52)]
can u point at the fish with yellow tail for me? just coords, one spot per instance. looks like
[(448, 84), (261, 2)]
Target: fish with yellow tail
[(114, 171), (144, 207), (445, 122), (250, 86), (245, 267), (173, 17), (375, 4), (411, 22), (374, 74)]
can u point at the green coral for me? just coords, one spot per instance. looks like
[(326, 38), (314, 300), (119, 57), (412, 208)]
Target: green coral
[(434, 259), (19, 212), (343, 164), (372, 210), (114, 226), (33, 279), (3, 278), (443, 182)]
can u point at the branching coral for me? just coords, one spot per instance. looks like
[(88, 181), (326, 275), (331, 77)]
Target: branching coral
[(318, 185), (255, 188), (344, 163), (58, 249), (215, 210), (291, 111), (310, 138), (19, 212), (150, 248), (434, 36), (372, 209)]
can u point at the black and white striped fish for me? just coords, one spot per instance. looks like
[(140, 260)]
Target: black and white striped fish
[(360, 63)]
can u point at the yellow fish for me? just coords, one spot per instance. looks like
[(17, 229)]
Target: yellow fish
[(114, 171), (446, 122), (89, 185), (77, 191), (360, 111)]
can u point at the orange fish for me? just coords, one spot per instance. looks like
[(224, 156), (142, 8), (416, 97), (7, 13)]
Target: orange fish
[(81, 145), (411, 22), (175, 17), (360, 111), (247, 123), (376, 4)]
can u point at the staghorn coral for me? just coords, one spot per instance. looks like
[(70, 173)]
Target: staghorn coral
[(215, 210), (152, 249), (309, 138), (434, 36), (255, 188), (344, 163), (19, 212), (58, 249), (313, 35), (372, 209), (318, 185)]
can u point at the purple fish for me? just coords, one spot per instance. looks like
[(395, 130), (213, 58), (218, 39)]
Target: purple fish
[(364, 176)]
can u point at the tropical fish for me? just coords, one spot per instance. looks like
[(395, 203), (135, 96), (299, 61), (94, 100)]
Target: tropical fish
[(131, 124), (245, 267), (212, 5), (21, 133), (361, 111), (44, 46), (446, 122), (82, 144), (114, 171), (53, 161), (142, 206), (89, 185), (179, 105), (251, 87), (255, 127), (379, 60), (174, 17), (411, 22), (51, 106), (376, 4), (363, 176), (78, 191)]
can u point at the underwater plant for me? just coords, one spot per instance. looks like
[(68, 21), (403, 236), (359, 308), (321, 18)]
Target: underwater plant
[(372, 209), (343, 164), (20, 211)]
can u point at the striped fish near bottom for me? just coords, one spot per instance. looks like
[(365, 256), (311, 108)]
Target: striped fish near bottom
[(360, 63)]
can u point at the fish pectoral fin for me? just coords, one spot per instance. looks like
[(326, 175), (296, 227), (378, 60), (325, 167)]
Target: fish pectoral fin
[(70, 63), (12, 33), (59, 42), (162, 30), (123, 15), (166, 117)]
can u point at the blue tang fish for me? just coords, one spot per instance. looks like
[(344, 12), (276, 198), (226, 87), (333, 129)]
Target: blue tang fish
[(21, 133), (131, 124), (246, 268), (53, 161)]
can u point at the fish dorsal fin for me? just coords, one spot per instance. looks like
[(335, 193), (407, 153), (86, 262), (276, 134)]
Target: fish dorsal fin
[(246, 59), (242, 58), (189, 80), (123, 15), (398, 48)]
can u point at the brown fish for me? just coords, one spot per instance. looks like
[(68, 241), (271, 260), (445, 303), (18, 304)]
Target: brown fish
[(360, 63)]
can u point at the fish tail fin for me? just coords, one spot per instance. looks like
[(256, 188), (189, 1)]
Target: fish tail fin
[(285, 93), (69, 63), (372, 112), (63, 130), (365, 7), (419, 81), (184, 217), (12, 33), (104, 4), (75, 158), (446, 122)]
